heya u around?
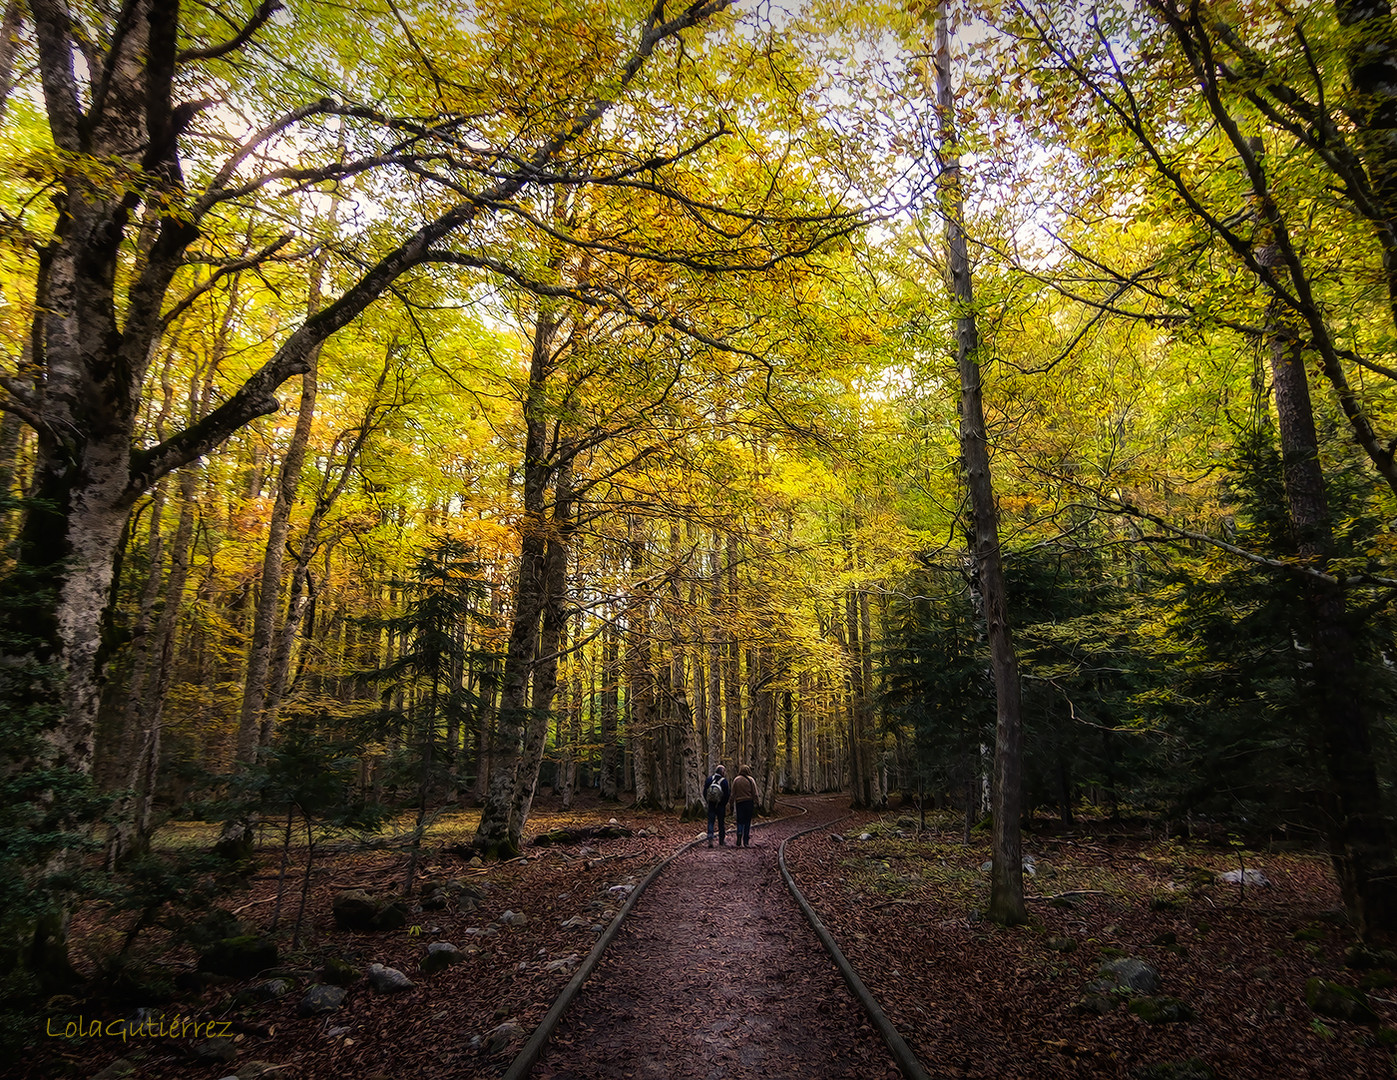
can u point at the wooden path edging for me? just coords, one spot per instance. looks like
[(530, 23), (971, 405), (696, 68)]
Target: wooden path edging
[(906, 1059)]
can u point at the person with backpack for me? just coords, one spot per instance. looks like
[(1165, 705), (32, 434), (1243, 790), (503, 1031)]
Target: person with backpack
[(744, 797), (716, 793)]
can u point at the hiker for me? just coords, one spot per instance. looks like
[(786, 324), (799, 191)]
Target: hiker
[(744, 797), (717, 791)]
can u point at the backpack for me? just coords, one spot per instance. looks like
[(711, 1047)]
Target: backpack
[(715, 790)]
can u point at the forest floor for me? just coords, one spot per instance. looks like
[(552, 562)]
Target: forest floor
[(972, 999)]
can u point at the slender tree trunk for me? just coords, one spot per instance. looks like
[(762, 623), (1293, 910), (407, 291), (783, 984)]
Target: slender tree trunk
[(712, 635), (257, 717), (732, 665), (1006, 887), (610, 778)]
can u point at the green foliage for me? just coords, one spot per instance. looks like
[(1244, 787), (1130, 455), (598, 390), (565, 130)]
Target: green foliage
[(1081, 660), (1241, 744), (935, 683), (430, 683)]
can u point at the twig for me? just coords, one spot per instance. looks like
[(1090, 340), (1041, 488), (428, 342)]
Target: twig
[(1065, 895)]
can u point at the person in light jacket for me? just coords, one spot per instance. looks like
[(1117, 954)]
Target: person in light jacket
[(744, 797)]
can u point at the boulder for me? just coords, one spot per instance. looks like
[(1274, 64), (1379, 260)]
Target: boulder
[(212, 1051), (339, 972), (501, 1037), (1339, 1002), (1097, 1004), (321, 999), (388, 980), (440, 956), (1131, 974), (354, 909)]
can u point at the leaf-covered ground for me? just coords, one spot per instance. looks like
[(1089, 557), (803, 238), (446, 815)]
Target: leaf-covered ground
[(977, 1000), (974, 1000)]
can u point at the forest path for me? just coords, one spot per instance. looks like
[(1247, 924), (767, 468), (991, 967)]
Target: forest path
[(716, 975)]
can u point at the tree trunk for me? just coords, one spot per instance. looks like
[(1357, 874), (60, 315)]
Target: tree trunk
[(609, 782), (1006, 886), (552, 639), (495, 835), (1360, 840)]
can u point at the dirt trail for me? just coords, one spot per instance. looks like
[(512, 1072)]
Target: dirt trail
[(716, 975)]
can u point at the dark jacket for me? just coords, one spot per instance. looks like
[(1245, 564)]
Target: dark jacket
[(727, 789)]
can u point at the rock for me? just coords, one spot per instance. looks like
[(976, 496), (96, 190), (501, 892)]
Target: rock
[(577, 922), (440, 956), (477, 863), (388, 980), (321, 999), (263, 992), (392, 916), (1062, 944), (1162, 1010), (514, 918), (239, 957), (1131, 974), (1244, 878), (1192, 1069), (866, 836), (213, 1051), (354, 909), (1097, 1004), (1339, 1002), (339, 972), (500, 1038), (565, 965), (1361, 957), (119, 1069)]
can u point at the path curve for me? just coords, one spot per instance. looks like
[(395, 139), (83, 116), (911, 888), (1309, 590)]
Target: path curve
[(716, 975)]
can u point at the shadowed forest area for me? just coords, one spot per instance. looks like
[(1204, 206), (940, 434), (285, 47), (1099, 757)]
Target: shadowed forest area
[(424, 427)]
